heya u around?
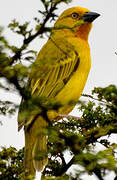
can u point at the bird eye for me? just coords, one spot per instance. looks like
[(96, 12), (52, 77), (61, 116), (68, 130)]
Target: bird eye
[(74, 15)]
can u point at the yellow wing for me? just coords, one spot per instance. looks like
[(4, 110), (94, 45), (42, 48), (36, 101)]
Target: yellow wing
[(52, 69)]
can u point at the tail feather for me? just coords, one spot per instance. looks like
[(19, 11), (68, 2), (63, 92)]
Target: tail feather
[(35, 147), (39, 153)]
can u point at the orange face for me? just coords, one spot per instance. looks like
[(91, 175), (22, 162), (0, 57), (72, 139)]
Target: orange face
[(83, 31)]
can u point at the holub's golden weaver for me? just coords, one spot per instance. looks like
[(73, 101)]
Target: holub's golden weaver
[(61, 71)]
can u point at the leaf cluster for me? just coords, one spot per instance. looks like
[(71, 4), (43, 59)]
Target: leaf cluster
[(7, 107), (11, 164)]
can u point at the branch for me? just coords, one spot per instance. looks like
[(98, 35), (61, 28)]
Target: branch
[(62, 158), (15, 82), (65, 167), (98, 174), (32, 37)]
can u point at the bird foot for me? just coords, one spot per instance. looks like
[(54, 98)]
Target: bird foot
[(68, 117), (61, 116)]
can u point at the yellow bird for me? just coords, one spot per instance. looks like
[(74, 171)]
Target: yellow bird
[(60, 72)]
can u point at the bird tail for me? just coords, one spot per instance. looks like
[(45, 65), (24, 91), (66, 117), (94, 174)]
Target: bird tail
[(35, 147)]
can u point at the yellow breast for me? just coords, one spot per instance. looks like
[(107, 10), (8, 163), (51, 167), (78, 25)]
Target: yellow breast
[(74, 88)]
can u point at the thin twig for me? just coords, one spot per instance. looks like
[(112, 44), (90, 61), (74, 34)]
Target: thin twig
[(104, 102), (87, 95), (97, 172)]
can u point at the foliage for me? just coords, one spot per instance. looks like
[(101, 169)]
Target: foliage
[(78, 136), (11, 164)]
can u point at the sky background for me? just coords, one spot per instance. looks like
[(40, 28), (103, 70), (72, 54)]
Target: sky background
[(102, 40)]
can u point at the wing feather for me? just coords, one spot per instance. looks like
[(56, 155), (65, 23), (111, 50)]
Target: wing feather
[(45, 86)]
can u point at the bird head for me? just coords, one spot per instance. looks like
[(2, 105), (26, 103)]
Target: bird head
[(78, 20)]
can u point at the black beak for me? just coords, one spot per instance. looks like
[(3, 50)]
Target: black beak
[(90, 16)]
